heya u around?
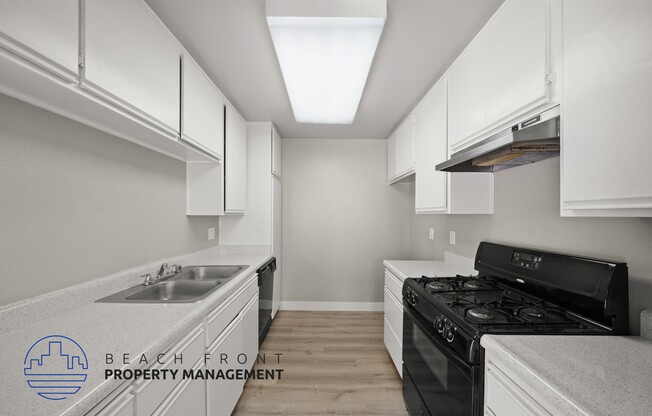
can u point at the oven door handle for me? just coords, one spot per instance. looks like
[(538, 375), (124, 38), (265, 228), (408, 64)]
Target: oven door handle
[(444, 349)]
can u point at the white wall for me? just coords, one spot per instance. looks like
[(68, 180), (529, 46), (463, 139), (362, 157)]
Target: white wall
[(76, 204), (340, 220), (527, 214)]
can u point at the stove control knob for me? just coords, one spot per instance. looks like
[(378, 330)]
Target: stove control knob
[(439, 325), (449, 334)]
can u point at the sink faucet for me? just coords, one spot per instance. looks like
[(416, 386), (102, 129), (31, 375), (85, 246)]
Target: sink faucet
[(162, 271)]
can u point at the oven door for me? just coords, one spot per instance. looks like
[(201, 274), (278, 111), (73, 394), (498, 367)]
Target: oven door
[(445, 383)]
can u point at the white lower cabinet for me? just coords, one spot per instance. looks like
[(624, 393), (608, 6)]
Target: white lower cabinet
[(151, 393), (122, 405), (223, 394), (393, 329), (188, 398), (225, 336), (507, 394), (250, 332)]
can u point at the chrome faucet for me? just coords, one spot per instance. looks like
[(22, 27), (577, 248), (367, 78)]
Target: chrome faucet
[(162, 271)]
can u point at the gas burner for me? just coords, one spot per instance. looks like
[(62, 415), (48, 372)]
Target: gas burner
[(532, 312), (439, 286), (472, 284), (481, 313)]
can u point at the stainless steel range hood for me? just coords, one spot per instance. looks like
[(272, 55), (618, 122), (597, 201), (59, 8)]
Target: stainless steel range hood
[(530, 141)]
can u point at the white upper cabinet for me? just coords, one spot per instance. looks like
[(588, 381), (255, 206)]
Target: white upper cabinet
[(606, 123), (132, 61), (466, 93), (276, 153), (235, 163), (405, 147), (43, 33), (443, 192), (503, 76), (516, 61), (202, 110), (391, 158), (430, 149)]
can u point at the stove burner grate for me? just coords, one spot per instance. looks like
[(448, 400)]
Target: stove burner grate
[(439, 286), (481, 313)]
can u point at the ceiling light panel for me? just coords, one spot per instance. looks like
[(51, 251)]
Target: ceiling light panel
[(325, 49)]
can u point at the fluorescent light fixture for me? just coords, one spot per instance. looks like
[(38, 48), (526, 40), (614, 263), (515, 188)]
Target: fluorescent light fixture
[(325, 49)]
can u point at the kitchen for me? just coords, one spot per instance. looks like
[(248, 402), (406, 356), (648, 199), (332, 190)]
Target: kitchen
[(235, 222)]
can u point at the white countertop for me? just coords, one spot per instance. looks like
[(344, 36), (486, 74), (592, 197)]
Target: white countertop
[(581, 375), (101, 328), (451, 266)]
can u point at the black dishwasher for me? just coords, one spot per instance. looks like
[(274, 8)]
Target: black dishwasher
[(265, 294)]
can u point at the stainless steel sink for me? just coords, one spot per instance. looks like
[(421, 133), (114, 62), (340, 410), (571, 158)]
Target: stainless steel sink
[(208, 272), (191, 284), (175, 290)]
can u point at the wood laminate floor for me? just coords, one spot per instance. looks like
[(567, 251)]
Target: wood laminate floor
[(335, 363)]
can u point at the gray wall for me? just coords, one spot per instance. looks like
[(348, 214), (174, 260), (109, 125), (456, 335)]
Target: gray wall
[(76, 204), (527, 214), (340, 220)]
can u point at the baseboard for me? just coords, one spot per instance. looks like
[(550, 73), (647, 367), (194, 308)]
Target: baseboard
[(333, 306)]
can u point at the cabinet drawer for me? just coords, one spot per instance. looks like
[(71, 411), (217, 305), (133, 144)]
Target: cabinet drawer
[(393, 312), (150, 393), (223, 394), (220, 318), (188, 398), (122, 405), (504, 398), (394, 347), (394, 284)]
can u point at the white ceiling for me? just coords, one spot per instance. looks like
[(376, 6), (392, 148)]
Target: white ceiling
[(231, 41)]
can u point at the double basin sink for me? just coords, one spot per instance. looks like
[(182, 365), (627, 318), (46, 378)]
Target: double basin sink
[(191, 284)]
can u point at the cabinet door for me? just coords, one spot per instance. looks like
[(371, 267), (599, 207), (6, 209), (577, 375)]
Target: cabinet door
[(467, 94), (44, 33), (250, 332), (430, 133), (391, 157), (405, 147), (204, 193), (606, 123), (122, 405), (277, 223), (517, 63), (132, 61), (235, 163), (223, 394), (276, 154), (202, 110), (189, 398)]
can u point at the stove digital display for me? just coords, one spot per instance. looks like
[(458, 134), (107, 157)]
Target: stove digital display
[(526, 260)]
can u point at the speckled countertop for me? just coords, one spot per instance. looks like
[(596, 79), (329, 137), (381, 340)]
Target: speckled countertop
[(102, 328), (450, 266), (580, 375)]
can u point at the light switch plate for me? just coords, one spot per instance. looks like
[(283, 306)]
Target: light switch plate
[(452, 238), (211, 233), (431, 234)]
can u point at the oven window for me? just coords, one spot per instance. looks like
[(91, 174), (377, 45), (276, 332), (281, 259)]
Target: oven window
[(446, 389)]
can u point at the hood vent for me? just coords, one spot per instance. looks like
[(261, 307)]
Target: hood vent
[(530, 141)]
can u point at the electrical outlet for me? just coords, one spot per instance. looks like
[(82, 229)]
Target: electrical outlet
[(452, 237), (431, 234), (211, 233)]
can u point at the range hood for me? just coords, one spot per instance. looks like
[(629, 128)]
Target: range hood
[(527, 142)]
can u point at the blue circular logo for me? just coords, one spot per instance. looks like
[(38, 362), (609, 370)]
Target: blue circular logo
[(55, 367)]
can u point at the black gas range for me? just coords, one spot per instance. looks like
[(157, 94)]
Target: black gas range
[(517, 291)]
